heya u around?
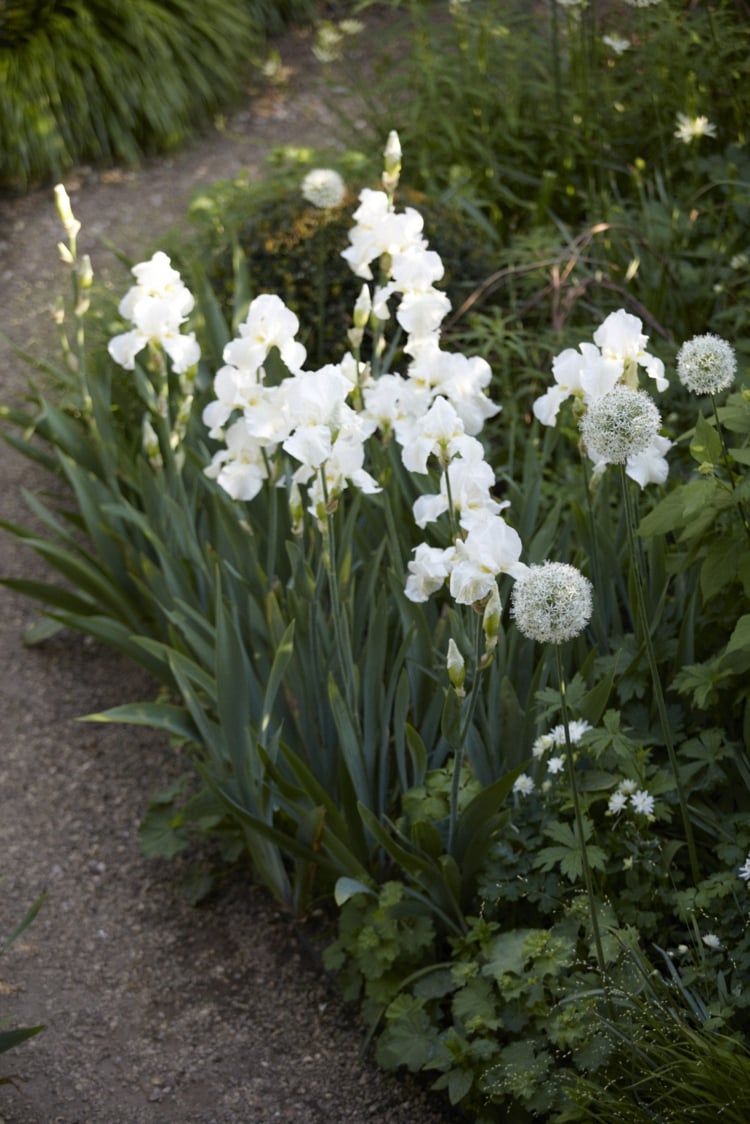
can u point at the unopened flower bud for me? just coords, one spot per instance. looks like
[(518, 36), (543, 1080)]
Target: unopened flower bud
[(85, 272), (456, 668), (362, 308), (151, 443), (392, 166), (491, 618), (65, 211), (296, 509)]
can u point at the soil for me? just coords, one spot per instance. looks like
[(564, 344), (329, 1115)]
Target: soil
[(155, 1011)]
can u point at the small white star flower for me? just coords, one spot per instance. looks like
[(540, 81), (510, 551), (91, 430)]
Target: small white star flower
[(710, 940), (617, 803), (616, 43), (643, 802), (692, 128), (523, 785), (744, 871), (541, 745)]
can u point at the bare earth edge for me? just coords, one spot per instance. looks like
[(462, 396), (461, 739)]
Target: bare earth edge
[(154, 1011)]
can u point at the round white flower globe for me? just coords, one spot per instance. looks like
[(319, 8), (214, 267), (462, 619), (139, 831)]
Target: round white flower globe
[(621, 423), (323, 187), (706, 364), (551, 602)]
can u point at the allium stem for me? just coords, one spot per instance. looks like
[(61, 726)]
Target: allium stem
[(643, 624), (588, 880)]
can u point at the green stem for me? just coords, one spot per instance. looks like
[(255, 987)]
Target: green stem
[(341, 631), (273, 522), (588, 880), (458, 760), (661, 706)]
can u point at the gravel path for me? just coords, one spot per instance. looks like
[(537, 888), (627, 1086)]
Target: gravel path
[(155, 1011)]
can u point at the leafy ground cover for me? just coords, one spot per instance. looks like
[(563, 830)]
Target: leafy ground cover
[(451, 625)]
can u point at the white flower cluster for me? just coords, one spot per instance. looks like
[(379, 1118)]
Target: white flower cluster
[(306, 414), (156, 306), (627, 794), (322, 418), (555, 738), (744, 871), (609, 366)]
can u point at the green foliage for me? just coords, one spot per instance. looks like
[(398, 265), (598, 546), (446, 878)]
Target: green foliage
[(263, 237), (9, 1039), (455, 827), (664, 1063), (591, 199)]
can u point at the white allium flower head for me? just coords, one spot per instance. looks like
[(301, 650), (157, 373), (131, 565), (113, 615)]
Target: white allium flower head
[(323, 187), (710, 940), (620, 424), (552, 603), (706, 364), (744, 871)]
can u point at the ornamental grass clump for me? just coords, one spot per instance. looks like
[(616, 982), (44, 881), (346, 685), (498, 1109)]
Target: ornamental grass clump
[(83, 81)]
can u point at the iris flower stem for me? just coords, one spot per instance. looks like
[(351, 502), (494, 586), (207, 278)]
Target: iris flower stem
[(469, 709), (587, 878), (341, 631), (273, 523), (642, 612)]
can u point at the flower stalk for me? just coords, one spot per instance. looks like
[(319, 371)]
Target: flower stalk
[(642, 616)]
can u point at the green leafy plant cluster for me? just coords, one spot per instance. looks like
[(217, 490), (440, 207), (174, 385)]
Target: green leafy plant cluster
[(13, 1037), (518, 839), (590, 198)]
